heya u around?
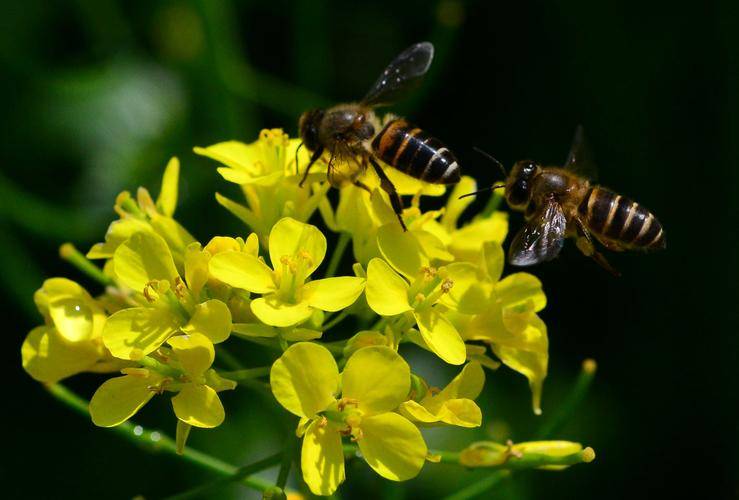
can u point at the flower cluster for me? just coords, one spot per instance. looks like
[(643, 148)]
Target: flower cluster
[(171, 302)]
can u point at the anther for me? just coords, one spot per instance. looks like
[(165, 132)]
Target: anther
[(447, 285)]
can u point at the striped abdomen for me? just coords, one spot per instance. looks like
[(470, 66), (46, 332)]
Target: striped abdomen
[(618, 219), (414, 152)]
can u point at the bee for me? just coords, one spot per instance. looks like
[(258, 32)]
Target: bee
[(354, 136), (561, 202)]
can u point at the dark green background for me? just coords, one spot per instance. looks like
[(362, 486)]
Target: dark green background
[(96, 95)]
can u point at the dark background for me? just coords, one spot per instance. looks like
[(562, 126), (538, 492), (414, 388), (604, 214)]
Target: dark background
[(96, 95)]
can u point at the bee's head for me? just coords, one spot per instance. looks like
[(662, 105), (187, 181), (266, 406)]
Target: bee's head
[(308, 126), (518, 185)]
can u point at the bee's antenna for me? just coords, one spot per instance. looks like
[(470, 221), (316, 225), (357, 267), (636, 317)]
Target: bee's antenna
[(491, 188), (297, 168), (491, 158)]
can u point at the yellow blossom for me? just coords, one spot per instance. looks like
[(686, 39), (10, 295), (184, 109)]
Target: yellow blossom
[(267, 174), (306, 381), (144, 264), (187, 373), (70, 342), (453, 405), (296, 250)]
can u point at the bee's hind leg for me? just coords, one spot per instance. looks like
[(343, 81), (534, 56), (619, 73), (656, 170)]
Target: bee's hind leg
[(585, 244), (387, 186), (313, 159), (362, 185)]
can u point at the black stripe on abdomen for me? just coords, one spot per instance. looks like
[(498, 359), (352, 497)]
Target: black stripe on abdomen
[(599, 204)]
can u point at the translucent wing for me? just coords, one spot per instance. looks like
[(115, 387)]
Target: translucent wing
[(580, 160), (541, 238), (402, 74)]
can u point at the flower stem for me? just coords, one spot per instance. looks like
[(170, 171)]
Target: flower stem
[(480, 487), (571, 403), (156, 441), (69, 253), (335, 320), (333, 265), (492, 205), (246, 373)]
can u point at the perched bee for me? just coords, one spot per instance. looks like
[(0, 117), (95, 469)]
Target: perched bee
[(354, 137), (561, 202)]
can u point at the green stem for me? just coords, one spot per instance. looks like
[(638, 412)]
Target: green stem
[(156, 441), (492, 205), (335, 320), (241, 473), (571, 403), (479, 487), (287, 459), (69, 253), (333, 265), (228, 358), (246, 373), (158, 367)]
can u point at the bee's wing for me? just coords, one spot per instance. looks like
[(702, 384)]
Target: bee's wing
[(580, 159), (402, 74), (541, 238)]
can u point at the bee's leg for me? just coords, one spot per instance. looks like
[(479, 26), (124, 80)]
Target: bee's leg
[(362, 185), (387, 186), (585, 244), (314, 158)]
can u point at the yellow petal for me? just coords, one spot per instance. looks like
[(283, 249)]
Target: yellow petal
[(195, 353), (196, 268), (300, 334), (167, 201), (212, 319), (440, 336), (322, 458), (256, 330), (401, 249), (234, 154), (119, 398), (143, 258), (392, 446), (459, 412), (414, 411), (118, 232), (275, 312), (378, 378), (134, 333), (241, 270), (48, 357), (468, 384), (75, 314), (220, 244), (289, 237), (387, 292), (176, 236), (520, 288), (333, 294), (493, 260), (199, 406), (468, 295), (305, 379), (454, 205), (467, 242)]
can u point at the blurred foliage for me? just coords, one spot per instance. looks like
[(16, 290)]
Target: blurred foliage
[(97, 95)]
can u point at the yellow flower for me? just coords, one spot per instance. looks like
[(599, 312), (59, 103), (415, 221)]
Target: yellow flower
[(144, 264), (296, 250), (266, 172), (305, 380), (390, 294), (465, 242), (454, 405), (70, 341), (188, 373), (145, 215), (503, 314)]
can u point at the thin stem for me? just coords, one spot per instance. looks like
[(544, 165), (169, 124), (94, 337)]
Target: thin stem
[(228, 358), (69, 253), (241, 473), (287, 459), (246, 373), (156, 441), (479, 487), (335, 320), (571, 403), (333, 265), (492, 205)]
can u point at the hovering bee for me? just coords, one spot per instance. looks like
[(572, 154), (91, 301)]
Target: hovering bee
[(349, 133), (561, 202)]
